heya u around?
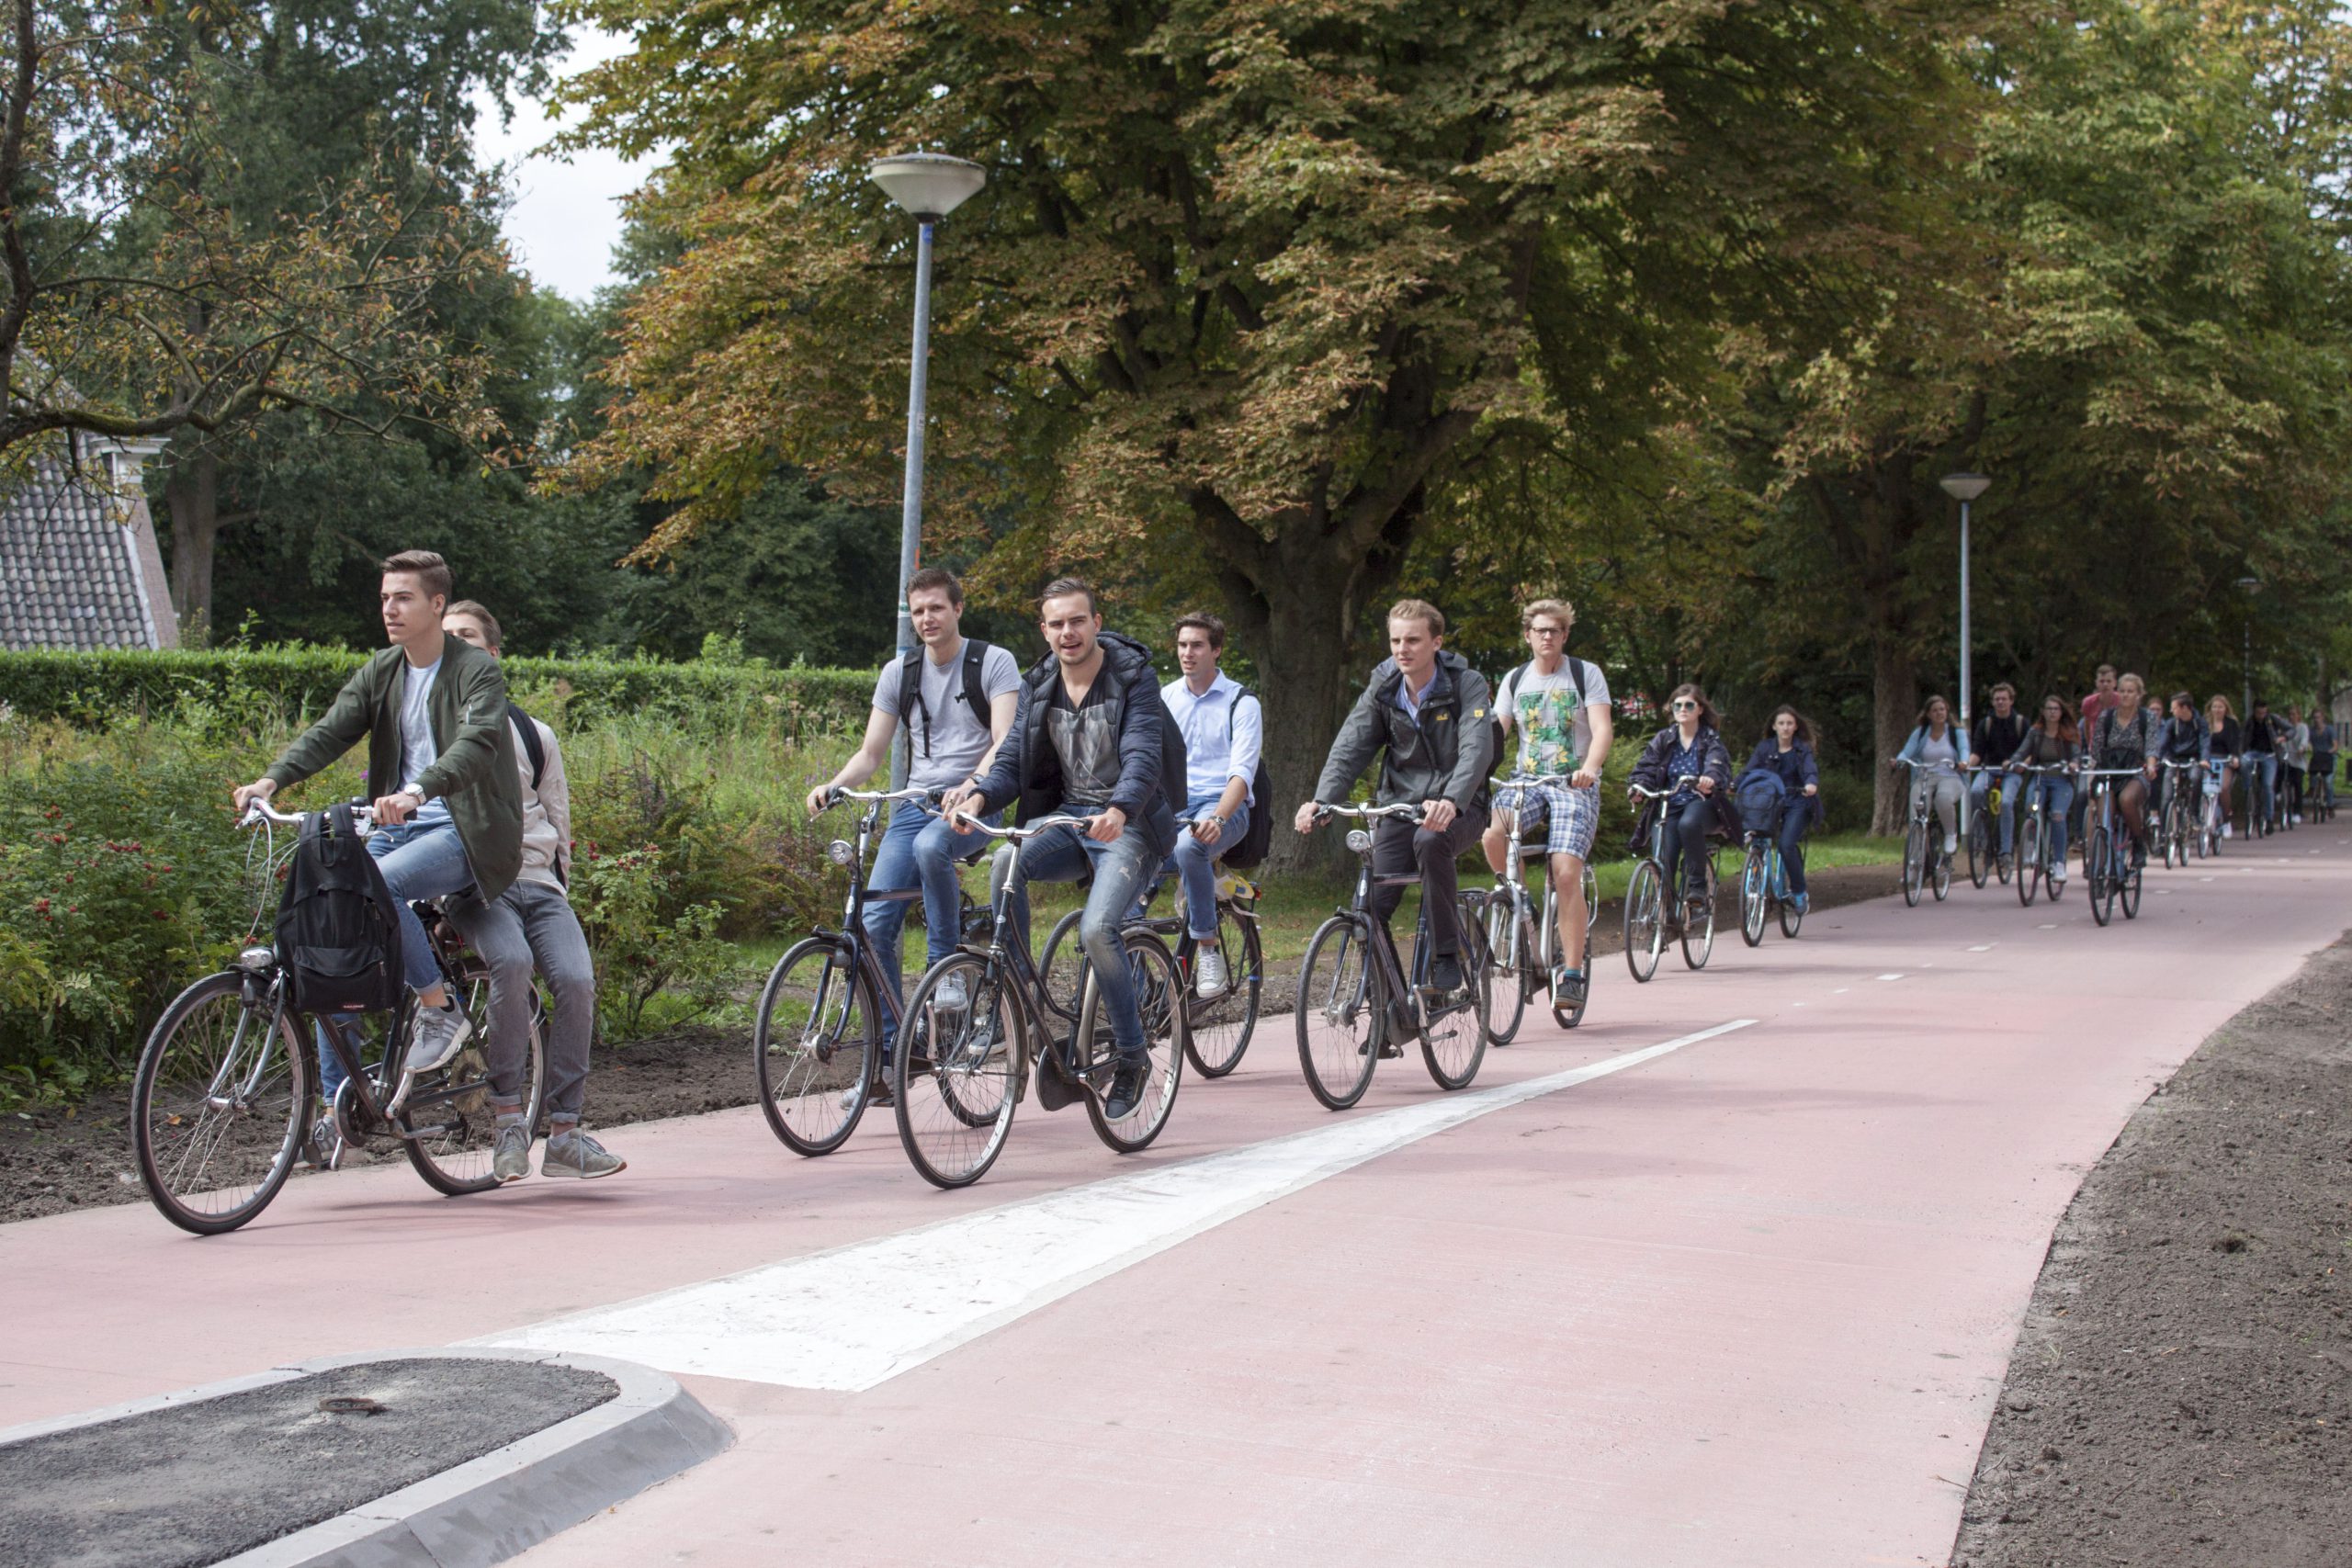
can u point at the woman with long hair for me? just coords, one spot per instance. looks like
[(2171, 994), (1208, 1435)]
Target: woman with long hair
[(2224, 742), (1691, 746), (2127, 737), (1937, 750), (2052, 744), (1787, 751)]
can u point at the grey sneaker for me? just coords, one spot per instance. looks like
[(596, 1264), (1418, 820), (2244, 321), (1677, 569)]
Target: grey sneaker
[(324, 1148), (575, 1154), (441, 1033), (949, 997), (1210, 979), (512, 1159)]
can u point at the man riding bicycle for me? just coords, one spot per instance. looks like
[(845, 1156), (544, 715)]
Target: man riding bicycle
[(1998, 735), (1086, 740), (1224, 728), (1559, 704), (1424, 712)]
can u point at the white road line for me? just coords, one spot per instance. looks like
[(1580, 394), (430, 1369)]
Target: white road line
[(1985, 947), (859, 1315), (1896, 975)]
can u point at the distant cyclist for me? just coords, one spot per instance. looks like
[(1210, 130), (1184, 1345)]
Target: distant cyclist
[(2322, 784), (1559, 705), (1939, 751), (2262, 760), (2294, 759), (1998, 735), (2052, 744), (2126, 737), (2097, 701), (1690, 747), (1788, 751), (2182, 740), (2224, 743), (1424, 714), (1224, 730)]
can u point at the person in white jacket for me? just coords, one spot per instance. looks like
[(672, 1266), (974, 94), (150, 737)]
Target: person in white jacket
[(531, 926)]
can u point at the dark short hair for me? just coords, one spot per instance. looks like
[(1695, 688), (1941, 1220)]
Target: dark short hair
[(2180, 697), (1063, 587), (429, 568), (1419, 610), (473, 607), (2107, 670), (938, 579), (1210, 626), (2004, 687)]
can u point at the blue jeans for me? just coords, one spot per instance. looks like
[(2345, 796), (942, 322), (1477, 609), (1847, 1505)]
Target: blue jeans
[(1195, 862), (1795, 817), (2057, 799), (1982, 786), (917, 850), (2262, 768), (1121, 869), (417, 862)]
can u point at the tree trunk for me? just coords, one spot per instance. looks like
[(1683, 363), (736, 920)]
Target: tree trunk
[(192, 491), (1894, 704)]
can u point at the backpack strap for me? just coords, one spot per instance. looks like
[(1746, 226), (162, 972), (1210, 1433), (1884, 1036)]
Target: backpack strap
[(528, 733), (976, 654)]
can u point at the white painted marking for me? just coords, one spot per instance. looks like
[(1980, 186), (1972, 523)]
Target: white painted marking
[(1984, 947), (1896, 975), (2204, 879), (2050, 926), (1842, 990), (860, 1314)]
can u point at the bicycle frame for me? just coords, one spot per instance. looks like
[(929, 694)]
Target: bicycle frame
[(863, 959), (1524, 907)]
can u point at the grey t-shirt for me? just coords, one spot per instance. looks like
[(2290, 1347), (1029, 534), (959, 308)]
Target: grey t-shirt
[(1086, 740), (946, 740), (418, 751), (1551, 716)]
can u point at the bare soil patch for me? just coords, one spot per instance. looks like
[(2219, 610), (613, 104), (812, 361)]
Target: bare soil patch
[(2181, 1393)]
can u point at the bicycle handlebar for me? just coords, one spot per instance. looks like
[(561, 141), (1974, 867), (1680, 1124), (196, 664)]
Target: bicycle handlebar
[(1402, 810), (838, 794), (259, 811), (1648, 793), (1536, 781), (1031, 829)]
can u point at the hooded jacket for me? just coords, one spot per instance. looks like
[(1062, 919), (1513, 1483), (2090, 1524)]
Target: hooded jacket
[(1029, 771), (1446, 754), (1658, 756)]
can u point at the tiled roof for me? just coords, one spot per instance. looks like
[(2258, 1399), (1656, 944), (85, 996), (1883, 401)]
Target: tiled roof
[(72, 573)]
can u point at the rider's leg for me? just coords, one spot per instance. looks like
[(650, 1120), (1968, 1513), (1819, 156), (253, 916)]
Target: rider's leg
[(936, 847), (1197, 866), (1121, 868), (1575, 815), (886, 920), (2057, 803), (2133, 799), (1686, 847), (1434, 856), (1946, 800), (1567, 885), (496, 933), (1980, 785), (1793, 823), (427, 863), (559, 950)]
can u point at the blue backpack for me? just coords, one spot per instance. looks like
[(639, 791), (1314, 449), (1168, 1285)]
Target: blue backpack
[(1759, 795)]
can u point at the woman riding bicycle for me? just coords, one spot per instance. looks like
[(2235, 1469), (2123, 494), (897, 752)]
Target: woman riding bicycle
[(1688, 746), (1788, 751), (2223, 743), (2052, 744), (2323, 783), (1939, 751), (2127, 737)]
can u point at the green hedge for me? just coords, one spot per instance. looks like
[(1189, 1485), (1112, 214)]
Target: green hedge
[(285, 683)]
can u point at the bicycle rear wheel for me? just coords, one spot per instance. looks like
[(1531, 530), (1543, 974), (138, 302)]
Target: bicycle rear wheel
[(2028, 855), (1061, 964), (1338, 1013), (1645, 918), (1753, 890), (219, 1106), (1221, 1029), (1454, 1043), (813, 1046), (1915, 862), (2099, 884), (955, 1072), (451, 1130), (1152, 969), (1508, 983)]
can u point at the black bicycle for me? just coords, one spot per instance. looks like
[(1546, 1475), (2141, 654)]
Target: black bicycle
[(1646, 921), (979, 1017), (2178, 831), (2111, 870), (1354, 1003), (2034, 861), (225, 1090)]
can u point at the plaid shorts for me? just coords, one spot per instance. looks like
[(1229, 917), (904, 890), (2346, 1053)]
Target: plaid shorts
[(1573, 815)]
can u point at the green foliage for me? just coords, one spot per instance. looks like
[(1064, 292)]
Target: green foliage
[(648, 942)]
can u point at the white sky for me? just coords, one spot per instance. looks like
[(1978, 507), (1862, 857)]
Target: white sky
[(567, 212)]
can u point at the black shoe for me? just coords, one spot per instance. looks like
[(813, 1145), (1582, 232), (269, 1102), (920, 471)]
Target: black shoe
[(1127, 1090), (1445, 974)]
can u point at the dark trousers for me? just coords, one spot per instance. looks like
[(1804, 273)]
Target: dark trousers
[(1399, 849), (1686, 842), (1793, 822)]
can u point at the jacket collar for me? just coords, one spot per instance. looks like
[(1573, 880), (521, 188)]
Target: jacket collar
[(1387, 680)]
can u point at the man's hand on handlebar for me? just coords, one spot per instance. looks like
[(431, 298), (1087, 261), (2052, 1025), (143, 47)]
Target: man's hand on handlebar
[(1106, 825), (820, 799), (1438, 815), (1309, 814), (393, 809), (245, 796), (1583, 778), (960, 806), (1208, 830)]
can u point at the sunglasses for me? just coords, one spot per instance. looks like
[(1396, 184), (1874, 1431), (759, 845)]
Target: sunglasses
[(1686, 706)]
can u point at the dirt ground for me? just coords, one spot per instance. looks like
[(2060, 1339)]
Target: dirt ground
[(2181, 1393)]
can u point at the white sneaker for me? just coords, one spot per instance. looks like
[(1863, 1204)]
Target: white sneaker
[(441, 1033), (2228, 831), (1210, 979), (1951, 844), (949, 997)]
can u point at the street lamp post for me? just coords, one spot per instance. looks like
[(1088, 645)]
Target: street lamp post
[(928, 185), (2246, 585), (1963, 489)]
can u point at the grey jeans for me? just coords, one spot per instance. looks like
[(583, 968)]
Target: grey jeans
[(531, 926)]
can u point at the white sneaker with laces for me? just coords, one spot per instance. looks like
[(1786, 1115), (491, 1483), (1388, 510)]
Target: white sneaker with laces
[(949, 997), (1210, 980), (441, 1033)]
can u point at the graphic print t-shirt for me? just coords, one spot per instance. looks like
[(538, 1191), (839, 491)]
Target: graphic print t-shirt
[(1086, 738), (1555, 728)]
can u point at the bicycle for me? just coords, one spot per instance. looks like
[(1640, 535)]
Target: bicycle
[(1984, 824), (1925, 865), (1220, 1026), (2109, 866), (1764, 880), (2034, 857), (2179, 833), (1645, 897), (813, 1042), (958, 1071), (2321, 793), (223, 1096), (1522, 933), (2261, 798), (1355, 1006)]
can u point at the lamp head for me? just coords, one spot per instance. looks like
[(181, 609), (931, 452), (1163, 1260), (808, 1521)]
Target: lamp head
[(928, 185), (1965, 487)]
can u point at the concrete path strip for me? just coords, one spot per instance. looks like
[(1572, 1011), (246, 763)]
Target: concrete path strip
[(855, 1317)]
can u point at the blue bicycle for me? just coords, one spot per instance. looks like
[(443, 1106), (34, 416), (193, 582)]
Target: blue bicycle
[(2112, 870)]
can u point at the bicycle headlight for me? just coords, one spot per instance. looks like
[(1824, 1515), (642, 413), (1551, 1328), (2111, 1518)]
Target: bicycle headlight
[(256, 959), (1358, 840), (840, 853)]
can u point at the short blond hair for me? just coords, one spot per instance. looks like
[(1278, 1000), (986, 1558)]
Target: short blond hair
[(1419, 610), (1560, 608)]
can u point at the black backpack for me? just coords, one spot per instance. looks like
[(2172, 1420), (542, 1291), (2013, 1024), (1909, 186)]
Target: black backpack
[(1575, 667), (529, 733), (1258, 837), (911, 689), (338, 931)]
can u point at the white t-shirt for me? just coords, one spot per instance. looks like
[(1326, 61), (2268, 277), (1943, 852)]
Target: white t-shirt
[(946, 740), (1552, 716), (418, 751)]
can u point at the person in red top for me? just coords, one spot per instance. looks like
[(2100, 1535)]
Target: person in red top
[(2097, 702)]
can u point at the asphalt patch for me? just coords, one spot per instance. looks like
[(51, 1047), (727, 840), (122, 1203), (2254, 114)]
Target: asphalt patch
[(194, 1484)]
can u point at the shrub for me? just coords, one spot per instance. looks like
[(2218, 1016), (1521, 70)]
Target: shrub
[(647, 943)]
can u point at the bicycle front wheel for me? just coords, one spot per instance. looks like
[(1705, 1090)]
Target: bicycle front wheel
[(1496, 914), (218, 1106), (2126, 889), (955, 1072), (813, 1046), (1455, 1042), (1151, 970), (1221, 1029), (448, 1123), (2027, 855), (1699, 923), (2099, 875), (1644, 919), (1979, 846), (1915, 862), (1753, 888), (1338, 1013)]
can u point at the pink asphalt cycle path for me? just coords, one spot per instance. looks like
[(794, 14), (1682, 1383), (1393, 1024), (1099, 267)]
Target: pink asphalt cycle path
[(1749, 1302)]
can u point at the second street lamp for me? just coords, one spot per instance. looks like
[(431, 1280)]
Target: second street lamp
[(1963, 489), (928, 185)]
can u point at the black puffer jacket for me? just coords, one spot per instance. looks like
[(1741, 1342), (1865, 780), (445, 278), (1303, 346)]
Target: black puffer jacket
[(1029, 771)]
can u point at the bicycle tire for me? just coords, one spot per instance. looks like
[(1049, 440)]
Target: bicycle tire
[(954, 1074), (2097, 873), (1941, 880), (1061, 965), (803, 1069), (1454, 1043), (2128, 893), (1221, 1029), (1339, 1013), (1979, 843), (1502, 1020), (2027, 852), (1166, 1030), (455, 1159), (1914, 863), (1644, 919), (165, 1137), (1702, 930), (1753, 895)]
